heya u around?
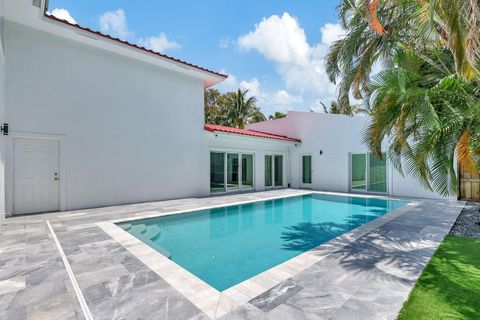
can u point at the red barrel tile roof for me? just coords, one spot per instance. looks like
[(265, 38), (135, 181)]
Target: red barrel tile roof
[(247, 132)]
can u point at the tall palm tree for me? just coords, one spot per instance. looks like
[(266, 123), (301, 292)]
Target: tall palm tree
[(426, 113), (376, 29), (241, 109), (349, 110), (231, 109), (425, 101)]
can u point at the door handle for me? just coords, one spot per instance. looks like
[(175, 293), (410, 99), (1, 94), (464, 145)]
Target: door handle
[(56, 178)]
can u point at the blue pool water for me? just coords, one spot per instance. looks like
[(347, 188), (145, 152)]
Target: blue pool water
[(225, 246)]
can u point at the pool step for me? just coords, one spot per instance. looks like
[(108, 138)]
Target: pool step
[(150, 233)]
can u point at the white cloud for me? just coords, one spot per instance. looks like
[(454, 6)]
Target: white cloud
[(283, 98), (268, 101), (63, 14), (279, 39), (160, 43), (229, 84), (253, 87), (331, 32), (115, 24), (300, 65)]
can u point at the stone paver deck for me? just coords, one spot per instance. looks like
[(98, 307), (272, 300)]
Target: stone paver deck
[(368, 278)]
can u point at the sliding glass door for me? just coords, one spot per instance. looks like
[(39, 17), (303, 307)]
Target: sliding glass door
[(231, 172), (217, 172), (359, 172), (368, 173), (278, 171), (268, 171), (247, 171), (273, 171), (377, 178)]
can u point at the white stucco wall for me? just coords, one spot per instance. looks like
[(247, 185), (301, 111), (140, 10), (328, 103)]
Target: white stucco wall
[(130, 131), (2, 108), (259, 147), (337, 136)]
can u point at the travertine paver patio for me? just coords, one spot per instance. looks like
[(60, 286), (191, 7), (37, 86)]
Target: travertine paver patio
[(366, 279)]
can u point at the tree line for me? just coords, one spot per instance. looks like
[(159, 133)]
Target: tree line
[(238, 108), (234, 109)]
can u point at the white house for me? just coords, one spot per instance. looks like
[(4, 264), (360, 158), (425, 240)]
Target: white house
[(96, 121), (332, 156)]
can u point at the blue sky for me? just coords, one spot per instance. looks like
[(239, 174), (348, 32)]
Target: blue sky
[(274, 48)]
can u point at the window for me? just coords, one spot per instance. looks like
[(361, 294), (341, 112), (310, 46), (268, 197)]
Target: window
[(307, 169), (368, 173), (231, 171)]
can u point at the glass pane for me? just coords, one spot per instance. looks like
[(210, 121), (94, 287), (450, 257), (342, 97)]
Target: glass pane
[(247, 171), (278, 171), (217, 172), (378, 174), (232, 171), (307, 169), (359, 175), (268, 171)]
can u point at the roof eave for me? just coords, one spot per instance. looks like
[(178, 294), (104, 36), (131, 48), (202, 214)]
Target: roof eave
[(287, 140), (209, 77)]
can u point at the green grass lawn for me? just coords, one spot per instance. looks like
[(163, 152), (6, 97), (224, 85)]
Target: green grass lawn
[(449, 287)]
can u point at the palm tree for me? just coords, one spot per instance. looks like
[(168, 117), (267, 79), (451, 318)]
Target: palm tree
[(231, 109), (375, 30), (336, 108), (241, 109), (277, 115), (425, 100), (426, 113)]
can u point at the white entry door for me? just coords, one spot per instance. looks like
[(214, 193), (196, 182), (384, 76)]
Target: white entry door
[(36, 175)]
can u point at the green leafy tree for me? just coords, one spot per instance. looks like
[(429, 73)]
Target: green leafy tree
[(336, 108), (425, 101), (277, 115), (375, 30), (212, 101), (234, 109)]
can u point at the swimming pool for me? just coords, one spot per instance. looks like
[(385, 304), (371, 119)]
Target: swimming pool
[(227, 245)]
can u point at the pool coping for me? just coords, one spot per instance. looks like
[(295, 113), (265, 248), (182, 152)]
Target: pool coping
[(216, 304)]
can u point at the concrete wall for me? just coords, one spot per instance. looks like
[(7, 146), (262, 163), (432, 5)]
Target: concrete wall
[(259, 147), (129, 131), (336, 136)]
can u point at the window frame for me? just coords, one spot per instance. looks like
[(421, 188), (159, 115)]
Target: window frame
[(225, 172), (367, 174), (273, 155), (303, 184)]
